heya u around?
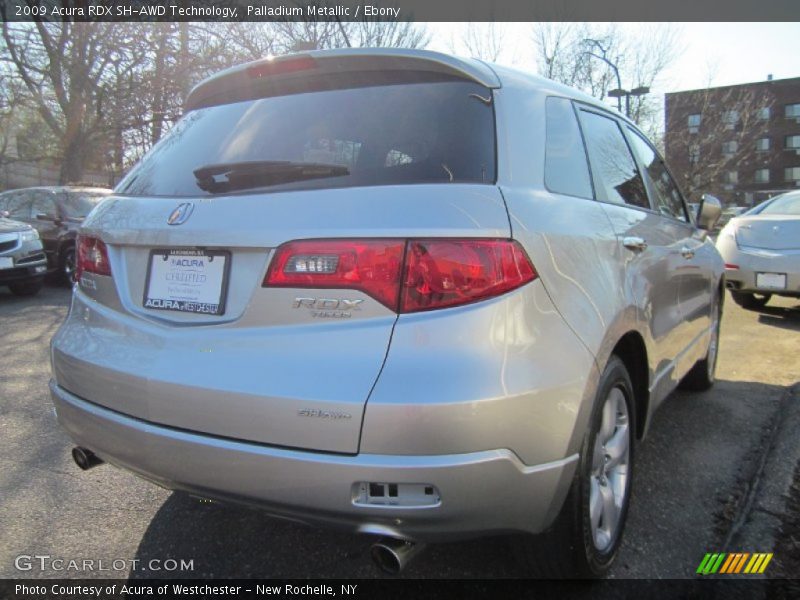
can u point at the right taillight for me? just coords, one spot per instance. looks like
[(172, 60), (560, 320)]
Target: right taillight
[(405, 276), (442, 273), (92, 257)]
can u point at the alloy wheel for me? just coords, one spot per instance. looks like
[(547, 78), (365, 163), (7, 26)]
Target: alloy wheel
[(608, 479)]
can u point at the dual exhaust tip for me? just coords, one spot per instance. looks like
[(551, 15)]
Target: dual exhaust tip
[(84, 458), (390, 555)]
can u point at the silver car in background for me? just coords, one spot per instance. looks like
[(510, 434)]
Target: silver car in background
[(761, 249), (396, 292)]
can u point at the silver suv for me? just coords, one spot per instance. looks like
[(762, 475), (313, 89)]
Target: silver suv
[(396, 292)]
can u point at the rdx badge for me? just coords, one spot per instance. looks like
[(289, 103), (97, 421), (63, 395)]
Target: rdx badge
[(327, 303)]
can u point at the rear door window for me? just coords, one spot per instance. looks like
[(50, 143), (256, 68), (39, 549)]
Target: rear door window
[(615, 174), (433, 132), (566, 170)]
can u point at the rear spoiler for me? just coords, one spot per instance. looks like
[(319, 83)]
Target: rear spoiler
[(329, 69)]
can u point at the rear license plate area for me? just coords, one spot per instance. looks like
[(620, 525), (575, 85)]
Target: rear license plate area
[(187, 280), (771, 281)]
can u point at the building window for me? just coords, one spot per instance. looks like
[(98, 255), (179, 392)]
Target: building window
[(762, 144), (792, 111), (792, 142), (694, 154), (732, 177), (729, 148), (762, 176), (763, 113), (792, 174), (730, 118), (694, 123)]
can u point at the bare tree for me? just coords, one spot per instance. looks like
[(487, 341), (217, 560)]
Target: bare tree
[(65, 70), (480, 40), (297, 36), (597, 59), (711, 133)]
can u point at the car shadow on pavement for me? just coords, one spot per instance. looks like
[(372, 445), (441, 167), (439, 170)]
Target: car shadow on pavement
[(228, 541), (779, 316)]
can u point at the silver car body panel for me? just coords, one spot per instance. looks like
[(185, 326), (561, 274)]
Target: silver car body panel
[(489, 401), (318, 488)]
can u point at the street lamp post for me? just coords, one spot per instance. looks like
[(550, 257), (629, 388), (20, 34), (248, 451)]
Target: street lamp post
[(618, 93)]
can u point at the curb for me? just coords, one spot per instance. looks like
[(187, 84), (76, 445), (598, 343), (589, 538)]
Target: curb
[(760, 523)]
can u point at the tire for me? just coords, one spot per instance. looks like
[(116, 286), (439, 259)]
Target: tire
[(750, 301), (26, 288), (584, 541), (66, 264), (703, 373)]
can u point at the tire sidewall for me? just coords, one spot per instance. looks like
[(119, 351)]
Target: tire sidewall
[(67, 277), (595, 562)]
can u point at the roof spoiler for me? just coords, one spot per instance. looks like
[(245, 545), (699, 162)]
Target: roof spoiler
[(285, 70)]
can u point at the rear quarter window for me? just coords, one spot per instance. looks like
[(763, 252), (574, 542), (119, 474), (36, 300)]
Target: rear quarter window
[(566, 170)]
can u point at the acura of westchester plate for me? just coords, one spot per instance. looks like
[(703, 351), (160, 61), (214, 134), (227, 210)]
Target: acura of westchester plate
[(187, 280)]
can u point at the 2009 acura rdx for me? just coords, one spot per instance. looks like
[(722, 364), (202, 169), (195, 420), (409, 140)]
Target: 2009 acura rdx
[(394, 291)]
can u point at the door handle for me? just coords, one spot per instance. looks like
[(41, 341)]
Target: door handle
[(634, 243), (687, 253)]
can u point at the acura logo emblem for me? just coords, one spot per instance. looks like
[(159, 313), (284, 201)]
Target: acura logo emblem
[(181, 214)]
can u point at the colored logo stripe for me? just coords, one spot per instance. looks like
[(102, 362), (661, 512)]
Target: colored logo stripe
[(734, 562)]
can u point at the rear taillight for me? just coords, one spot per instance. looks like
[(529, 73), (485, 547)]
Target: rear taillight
[(371, 266), (92, 257), (441, 273), (405, 276)]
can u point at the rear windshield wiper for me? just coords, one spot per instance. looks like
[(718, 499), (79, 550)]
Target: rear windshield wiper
[(226, 177)]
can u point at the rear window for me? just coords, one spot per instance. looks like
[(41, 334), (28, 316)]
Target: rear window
[(80, 204), (441, 132), (787, 204)]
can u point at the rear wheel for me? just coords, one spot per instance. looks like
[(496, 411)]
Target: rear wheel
[(586, 536), (26, 288), (67, 264), (750, 301), (703, 374)]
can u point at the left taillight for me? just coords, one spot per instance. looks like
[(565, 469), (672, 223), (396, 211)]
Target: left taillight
[(405, 275), (92, 257)]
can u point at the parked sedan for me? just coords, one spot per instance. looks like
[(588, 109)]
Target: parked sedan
[(22, 260), (396, 292), (761, 249), (56, 213)]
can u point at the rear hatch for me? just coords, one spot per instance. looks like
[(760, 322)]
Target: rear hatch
[(770, 232), (201, 343)]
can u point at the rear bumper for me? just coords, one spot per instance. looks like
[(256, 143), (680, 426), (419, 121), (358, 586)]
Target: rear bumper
[(748, 262), (481, 493)]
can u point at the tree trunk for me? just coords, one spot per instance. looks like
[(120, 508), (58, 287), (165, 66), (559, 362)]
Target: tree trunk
[(72, 162)]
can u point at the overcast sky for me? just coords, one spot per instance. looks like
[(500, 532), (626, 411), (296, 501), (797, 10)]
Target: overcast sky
[(734, 52)]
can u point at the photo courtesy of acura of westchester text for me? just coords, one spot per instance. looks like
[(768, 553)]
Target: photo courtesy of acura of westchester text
[(362, 293)]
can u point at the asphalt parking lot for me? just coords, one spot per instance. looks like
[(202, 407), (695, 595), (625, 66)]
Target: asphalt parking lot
[(701, 478)]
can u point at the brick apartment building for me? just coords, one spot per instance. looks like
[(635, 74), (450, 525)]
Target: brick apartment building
[(740, 143)]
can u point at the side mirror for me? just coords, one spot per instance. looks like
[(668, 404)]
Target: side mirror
[(708, 212)]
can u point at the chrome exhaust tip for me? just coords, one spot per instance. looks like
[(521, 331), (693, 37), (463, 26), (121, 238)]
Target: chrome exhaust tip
[(85, 459), (392, 555)]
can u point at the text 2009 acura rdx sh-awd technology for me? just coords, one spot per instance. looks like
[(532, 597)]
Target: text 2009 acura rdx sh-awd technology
[(393, 291)]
